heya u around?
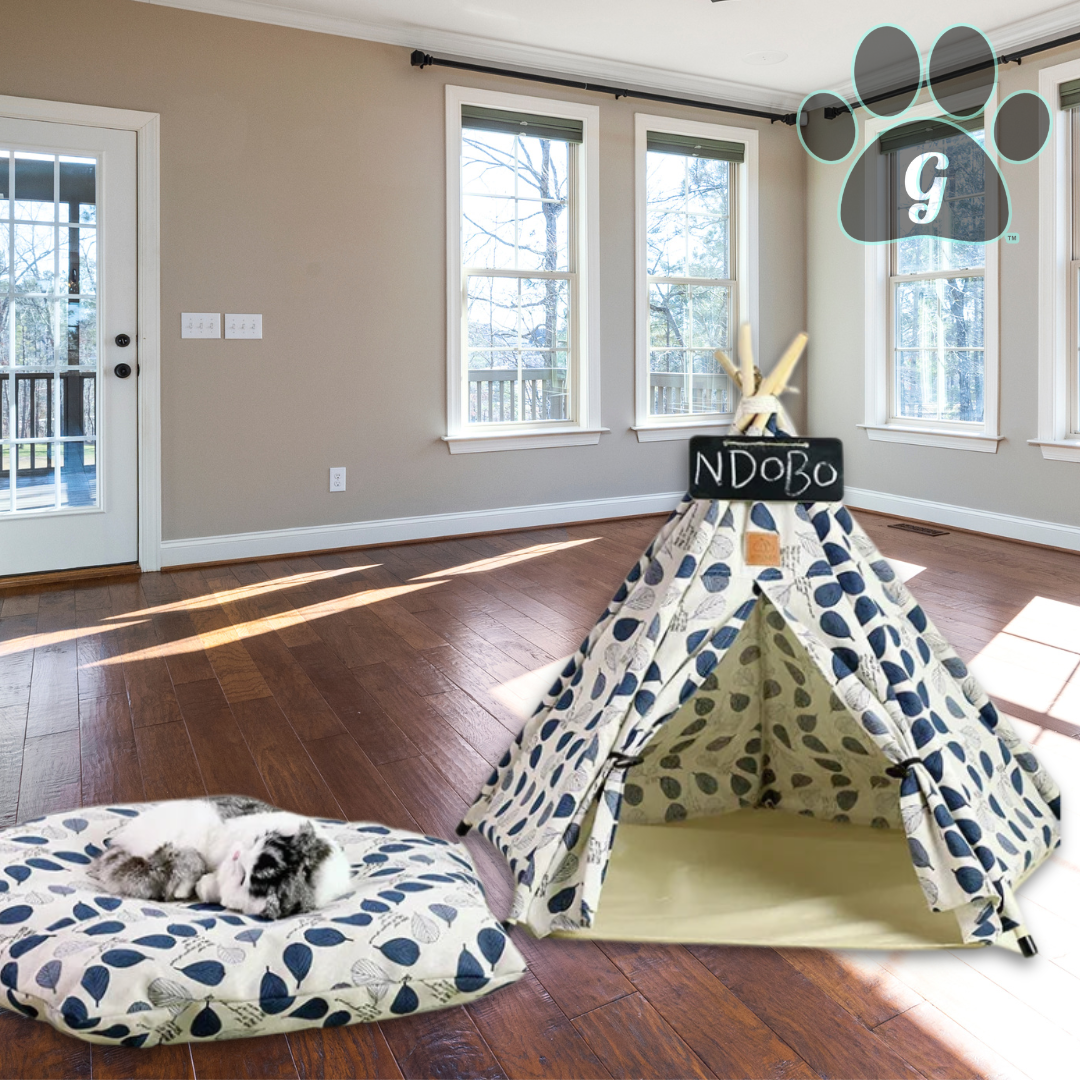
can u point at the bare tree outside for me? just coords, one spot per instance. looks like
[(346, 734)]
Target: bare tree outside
[(939, 309), (48, 330), (516, 221), (691, 287)]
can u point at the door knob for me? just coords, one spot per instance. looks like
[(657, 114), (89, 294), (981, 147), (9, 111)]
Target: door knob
[(122, 371), (122, 340)]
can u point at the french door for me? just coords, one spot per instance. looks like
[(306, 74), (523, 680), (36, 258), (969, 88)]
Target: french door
[(68, 347)]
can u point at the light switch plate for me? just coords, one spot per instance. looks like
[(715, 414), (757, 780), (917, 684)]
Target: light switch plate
[(337, 478), (200, 324), (243, 326)]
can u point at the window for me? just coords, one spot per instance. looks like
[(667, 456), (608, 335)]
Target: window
[(938, 317), (48, 332), (694, 260), (931, 312), (523, 363), (1072, 362), (1059, 268)]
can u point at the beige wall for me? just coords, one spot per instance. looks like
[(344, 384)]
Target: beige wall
[(1016, 480), (303, 177)]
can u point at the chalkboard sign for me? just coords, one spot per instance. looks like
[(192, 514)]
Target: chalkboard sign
[(768, 470)]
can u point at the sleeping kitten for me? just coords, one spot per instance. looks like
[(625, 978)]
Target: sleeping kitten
[(229, 850)]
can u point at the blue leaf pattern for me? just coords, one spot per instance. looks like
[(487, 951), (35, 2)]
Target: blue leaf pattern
[(139, 972), (297, 959), (858, 680)]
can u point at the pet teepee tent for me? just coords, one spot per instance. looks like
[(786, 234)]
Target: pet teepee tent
[(646, 797)]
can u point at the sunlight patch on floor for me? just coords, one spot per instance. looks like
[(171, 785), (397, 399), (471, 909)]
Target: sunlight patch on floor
[(212, 639), (1035, 660), (523, 694), (1052, 622), (905, 571), (497, 562), (245, 592), (58, 637)]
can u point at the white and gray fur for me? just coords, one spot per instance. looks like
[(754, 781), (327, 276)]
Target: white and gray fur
[(230, 850)]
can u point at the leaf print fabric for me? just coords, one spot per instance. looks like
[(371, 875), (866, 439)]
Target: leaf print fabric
[(818, 687), (415, 934)]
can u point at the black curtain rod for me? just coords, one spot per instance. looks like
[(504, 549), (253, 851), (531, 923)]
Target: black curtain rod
[(422, 59)]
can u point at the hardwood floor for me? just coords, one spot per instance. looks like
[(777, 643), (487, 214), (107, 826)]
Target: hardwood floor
[(381, 684)]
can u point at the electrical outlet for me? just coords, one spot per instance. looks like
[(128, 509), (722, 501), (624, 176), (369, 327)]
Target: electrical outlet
[(337, 478), (200, 324), (243, 326)]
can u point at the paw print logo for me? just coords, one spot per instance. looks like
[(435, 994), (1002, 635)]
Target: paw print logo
[(931, 176)]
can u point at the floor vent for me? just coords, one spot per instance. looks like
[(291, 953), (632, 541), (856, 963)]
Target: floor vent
[(922, 530)]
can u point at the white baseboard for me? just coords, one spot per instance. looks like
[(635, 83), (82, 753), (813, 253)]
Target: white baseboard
[(1034, 531), (205, 549)]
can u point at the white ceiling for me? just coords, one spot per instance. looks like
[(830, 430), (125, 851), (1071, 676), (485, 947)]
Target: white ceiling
[(768, 52)]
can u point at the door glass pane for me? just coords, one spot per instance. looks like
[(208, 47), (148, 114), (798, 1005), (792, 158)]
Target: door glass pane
[(5, 248), (82, 332), (34, 408), (78, 404), (34, 184), (78, 474), (35, 258), (35, 480), (35, 332), (48, 330)]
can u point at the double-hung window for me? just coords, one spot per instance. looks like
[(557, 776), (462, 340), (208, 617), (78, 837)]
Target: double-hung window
[(937, 298), (931, 307), (523, 362), (1059, 267), (694, 266)]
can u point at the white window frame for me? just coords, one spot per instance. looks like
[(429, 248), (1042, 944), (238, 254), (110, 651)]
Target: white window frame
[(879, 424), (651, 428), (1058, 333), (584, 427)]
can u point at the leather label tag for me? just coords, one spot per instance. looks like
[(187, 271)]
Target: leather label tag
[(762, 549)]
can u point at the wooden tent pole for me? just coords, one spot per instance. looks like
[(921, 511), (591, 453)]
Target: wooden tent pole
[(729, 368), (776, 381)]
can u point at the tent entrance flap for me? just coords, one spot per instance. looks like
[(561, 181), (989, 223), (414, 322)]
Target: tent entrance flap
[(763, 877), (764, 729)]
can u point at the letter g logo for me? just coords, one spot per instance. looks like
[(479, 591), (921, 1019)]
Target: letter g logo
[(928, 203)]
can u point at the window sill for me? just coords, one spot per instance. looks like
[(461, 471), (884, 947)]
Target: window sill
[(1058, 449), (537, 439), (949, 440), (674, 432)]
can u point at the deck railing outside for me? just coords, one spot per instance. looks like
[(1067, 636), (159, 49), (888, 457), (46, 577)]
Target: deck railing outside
[(501, 396)]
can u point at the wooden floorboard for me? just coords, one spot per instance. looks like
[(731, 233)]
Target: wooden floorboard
[(368, 685)]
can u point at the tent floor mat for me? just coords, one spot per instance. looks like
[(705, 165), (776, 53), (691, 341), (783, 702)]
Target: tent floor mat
[(765, 877)]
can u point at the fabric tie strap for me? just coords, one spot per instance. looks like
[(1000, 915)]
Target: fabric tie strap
[(764, 403), (903, 768)]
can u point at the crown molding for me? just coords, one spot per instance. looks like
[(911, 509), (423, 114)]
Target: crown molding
[(1011, 36), (498, 53), (1044, 27)]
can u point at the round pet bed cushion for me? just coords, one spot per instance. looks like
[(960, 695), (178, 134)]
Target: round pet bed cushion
[(415, 934)]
